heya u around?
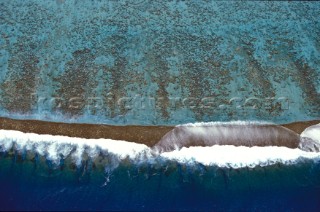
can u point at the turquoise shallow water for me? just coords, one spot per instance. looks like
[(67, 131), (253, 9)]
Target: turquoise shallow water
[(159, 63), (146, 62)]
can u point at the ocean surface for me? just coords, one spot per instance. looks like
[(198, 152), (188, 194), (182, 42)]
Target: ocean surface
[(130, 62), (160, 63), (45, 172)]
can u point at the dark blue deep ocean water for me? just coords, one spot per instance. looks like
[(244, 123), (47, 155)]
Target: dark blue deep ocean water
[(161, 185), (157, 63)]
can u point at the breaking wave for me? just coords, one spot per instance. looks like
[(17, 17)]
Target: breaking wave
[(46, 172), (312, 132), (108, 154), (228, 133)]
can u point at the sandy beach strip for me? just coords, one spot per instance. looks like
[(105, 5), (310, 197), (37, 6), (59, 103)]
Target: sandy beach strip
[(148, 135)]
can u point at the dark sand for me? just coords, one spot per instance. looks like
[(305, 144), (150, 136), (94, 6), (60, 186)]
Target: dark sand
[(299, 127), (148, 135)]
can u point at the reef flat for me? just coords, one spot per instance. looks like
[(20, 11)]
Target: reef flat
[(159, 63)]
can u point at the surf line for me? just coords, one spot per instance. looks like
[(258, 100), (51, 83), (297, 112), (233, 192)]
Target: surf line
[(167, 138), (248, 134)]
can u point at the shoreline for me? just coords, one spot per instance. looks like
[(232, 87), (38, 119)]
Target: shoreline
[(148, 135)]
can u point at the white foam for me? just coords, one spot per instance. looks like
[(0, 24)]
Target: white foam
[(312, 132), (53, 147), (238, 157), (207, 124)]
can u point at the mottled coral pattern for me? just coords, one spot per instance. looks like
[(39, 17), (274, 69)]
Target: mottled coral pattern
[(159, 62)]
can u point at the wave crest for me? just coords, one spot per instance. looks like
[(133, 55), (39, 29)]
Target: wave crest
[(108, 154), (235, 133)]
